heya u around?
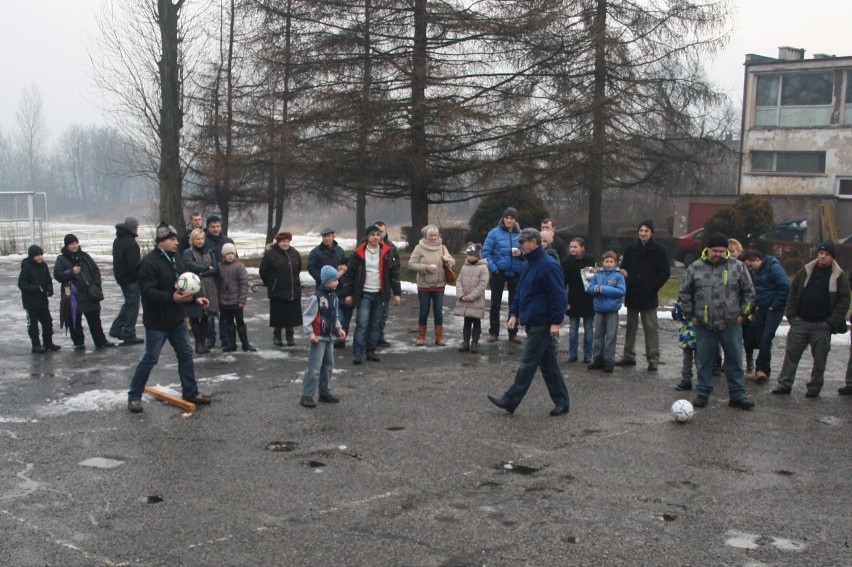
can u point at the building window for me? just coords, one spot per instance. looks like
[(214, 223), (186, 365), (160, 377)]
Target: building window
[(794, 99), (844, 188), (788, 162), (847, 110)]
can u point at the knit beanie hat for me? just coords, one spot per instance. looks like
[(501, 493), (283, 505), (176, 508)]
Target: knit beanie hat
[(511, 212), (328, 274), (35, 250), (718, 240), (165, 231), (371, 229), (228, 248), (650, 224), (70, 238), (213, 218), (830, 247), (130, 223), (473, 249)]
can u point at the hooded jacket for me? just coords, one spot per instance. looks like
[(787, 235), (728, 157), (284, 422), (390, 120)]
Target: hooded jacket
[(541, 298), (613, 288), (771, 285), (716, 293), (497, 249), (125, 255), (35, 284), (838, 293)]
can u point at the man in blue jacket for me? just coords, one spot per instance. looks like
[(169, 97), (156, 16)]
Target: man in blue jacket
[(504, 262), (771, 287), (539, 304)]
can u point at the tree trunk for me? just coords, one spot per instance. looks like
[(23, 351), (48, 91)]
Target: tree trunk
[(171, 115), (417, 170), (594, 240), (365, 122)]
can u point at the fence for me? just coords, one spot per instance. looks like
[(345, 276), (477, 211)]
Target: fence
[(23, 221)]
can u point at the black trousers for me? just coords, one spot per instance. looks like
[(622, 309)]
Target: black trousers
[(36, 316), (93, 320)]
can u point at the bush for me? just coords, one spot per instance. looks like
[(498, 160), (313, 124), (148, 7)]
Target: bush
[(531, 210), (748, 218)]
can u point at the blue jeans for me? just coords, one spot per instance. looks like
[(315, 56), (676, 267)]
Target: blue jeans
[(765, 324), (707, 342), (606, 334), (124, 325), (320, 366), (434, 299), (385, 312), (539, 351), (574, 336), (178, 337), (367, 316), (211, 330)]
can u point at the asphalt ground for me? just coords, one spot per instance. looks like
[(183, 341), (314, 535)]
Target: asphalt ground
[(414, 466)]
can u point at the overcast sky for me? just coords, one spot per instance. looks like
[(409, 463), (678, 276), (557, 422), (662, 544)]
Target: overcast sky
[(43, 43)]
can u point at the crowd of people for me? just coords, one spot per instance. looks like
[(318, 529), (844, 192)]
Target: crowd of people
[(730, 303)]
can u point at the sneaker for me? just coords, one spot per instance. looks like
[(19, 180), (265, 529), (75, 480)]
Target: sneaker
[(845, 391), (812, 394), (135, 406), (684, 386), (383, 344), (199, 400), (307, 402), (328, 399), (625, 362), (761, 376), (741, 403), (572, 359), (700, 401), (780, 391)]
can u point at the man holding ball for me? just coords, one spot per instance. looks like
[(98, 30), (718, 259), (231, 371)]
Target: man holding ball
[(163, 318)]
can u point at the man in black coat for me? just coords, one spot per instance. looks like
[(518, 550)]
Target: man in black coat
[(558, 245), (646, 267), (579, 302), (125, 257), (330, 253), (163, 318)]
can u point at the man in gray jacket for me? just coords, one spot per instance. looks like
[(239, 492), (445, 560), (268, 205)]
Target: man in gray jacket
[(717, 295)]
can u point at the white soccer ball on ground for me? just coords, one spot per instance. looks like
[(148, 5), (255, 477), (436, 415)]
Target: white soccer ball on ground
[(188, 283), (682, 411)]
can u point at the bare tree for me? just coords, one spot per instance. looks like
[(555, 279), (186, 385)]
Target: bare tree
[(31, 138)]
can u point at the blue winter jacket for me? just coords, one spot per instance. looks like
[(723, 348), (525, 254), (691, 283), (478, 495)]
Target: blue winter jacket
[(771, 285), (541, 297), (497, 249), (613, 288)]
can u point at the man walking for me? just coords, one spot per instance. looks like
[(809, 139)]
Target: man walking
[(504, 263), (717, 294), (125, 257), (163, 318), (539, 304), (816, 308), (646, 266), (370, 278)]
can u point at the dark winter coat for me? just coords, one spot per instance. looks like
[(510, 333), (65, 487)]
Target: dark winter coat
[(838, 293), (89, 275), (579, 302), (560, 247), (497, 249), (215, 243), (647, 271), (356, 274), (202, 262), (323, 255), (280, 271), (771, 285), (157, 279), (125, 255), (541, 298), (35, 284)]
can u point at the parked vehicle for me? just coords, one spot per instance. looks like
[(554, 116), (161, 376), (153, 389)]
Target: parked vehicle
[(689, 246)]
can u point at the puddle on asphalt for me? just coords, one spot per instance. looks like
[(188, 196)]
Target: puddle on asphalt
[(396, 428), (151, 499), (511, 467), (281, 446), (785, 473), (101, 463), (569, 539), (316, 464), (666, 517)]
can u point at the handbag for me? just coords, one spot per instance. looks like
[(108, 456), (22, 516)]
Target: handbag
[(94, 292), (449, 274)]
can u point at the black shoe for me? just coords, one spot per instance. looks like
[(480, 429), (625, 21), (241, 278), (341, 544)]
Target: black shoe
[(608, 368), (596, 365), (587, 360), (135, 406), (559, 410), (358, 360), (845, 391), (199, 400), (307, 402), (52, 347), (625, 362), (79, 347), (652, 367), (501, 403), (383, 344), (328, 399), (700, 401), (572, 359), (741, 403), (38, 349), (812, 394), (684, 386), (132, 341), (277, 341), (105, 345), (780, 391), (372, 357)]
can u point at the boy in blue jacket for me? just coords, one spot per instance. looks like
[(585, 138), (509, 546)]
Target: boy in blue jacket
[(607, 288)]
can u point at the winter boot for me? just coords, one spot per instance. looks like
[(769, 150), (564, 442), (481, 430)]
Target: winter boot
[(421, 335), (276, 337), (48, 343), (37, 348), (203, 324), (465, 346), (288, 333), (200, 346), (32, 331), (232, 340), (474, 339), (439, 335), (243, 332)]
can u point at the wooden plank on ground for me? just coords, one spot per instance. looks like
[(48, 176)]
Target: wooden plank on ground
[(170, 399)]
